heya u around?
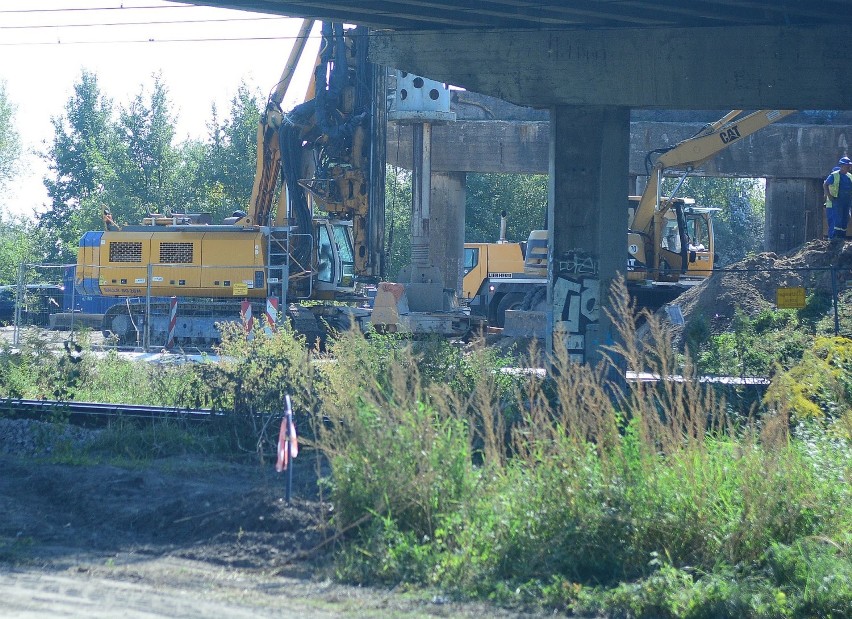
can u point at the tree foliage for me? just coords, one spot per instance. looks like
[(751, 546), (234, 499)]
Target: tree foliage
[(522, 197), (398, 220), (18, 243), (81, 163), (230, 154), (10, 144), (146, 158)]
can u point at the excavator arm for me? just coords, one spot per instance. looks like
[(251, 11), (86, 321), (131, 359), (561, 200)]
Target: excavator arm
[(648, 219), (694, 151)]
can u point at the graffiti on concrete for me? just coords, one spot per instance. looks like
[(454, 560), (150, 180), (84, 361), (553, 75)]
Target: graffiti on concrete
[(577, 262), (576, 294)]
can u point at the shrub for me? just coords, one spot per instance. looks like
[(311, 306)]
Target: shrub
[(820, 386)]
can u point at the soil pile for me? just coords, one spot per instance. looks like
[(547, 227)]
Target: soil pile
[(751, 284)]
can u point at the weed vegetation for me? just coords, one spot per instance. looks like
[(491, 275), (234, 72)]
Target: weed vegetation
[(575, 491)]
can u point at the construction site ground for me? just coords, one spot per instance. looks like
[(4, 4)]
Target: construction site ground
[(180, 538), (751, 284)]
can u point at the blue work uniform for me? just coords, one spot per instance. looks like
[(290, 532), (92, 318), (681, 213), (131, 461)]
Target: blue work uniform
[(840, 190)]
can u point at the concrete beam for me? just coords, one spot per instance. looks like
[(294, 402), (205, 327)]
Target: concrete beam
[(478, 146), (779, 151), (679, 68)]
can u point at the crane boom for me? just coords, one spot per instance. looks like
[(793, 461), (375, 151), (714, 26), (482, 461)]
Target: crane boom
[(268, 143)]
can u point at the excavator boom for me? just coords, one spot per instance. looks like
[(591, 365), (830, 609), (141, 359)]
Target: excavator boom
[(652, 219), (694, 151)]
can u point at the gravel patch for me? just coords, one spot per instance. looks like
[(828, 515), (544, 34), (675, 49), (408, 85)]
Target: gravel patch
[(31, 438)]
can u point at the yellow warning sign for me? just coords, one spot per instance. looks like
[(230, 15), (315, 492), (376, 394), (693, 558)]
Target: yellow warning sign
[(240, 289), (790, 298)]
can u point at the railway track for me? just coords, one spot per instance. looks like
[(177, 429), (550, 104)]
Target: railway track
[(96, 413)]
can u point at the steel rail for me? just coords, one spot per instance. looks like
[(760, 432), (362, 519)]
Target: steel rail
[(97, 413)]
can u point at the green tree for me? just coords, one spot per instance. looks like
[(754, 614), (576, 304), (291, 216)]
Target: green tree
[(397, 220), (10, 144), (522, 197), (229, 168), (80, 160), (190, 192), (147, 158), (18, 243)]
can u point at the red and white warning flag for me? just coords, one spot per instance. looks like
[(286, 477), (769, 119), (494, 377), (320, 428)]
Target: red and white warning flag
[(287, 438)]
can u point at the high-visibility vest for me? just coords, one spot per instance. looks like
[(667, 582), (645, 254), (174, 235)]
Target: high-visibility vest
[(834, 188)]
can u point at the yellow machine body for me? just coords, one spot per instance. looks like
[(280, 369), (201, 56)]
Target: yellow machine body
[(184, 261), (490, 260)]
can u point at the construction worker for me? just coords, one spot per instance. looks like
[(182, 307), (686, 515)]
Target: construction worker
[(837, 188)]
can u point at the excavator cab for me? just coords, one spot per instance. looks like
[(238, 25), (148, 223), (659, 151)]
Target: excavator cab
[(686, 242), (335, 256)]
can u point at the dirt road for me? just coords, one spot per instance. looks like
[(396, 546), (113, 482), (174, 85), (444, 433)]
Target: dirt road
[(180, 538)]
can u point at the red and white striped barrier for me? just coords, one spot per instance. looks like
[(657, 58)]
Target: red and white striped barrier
[(247, 318), (172, 322), (271, 315)]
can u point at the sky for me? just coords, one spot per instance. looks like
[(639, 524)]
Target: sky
[(202, 53)]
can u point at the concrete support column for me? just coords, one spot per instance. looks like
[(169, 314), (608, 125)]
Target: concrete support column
[(421, 178), (794, 212), (589, 151), (424, 283), (446, 248)]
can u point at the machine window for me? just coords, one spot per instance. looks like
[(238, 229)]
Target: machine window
[(471, 257), (325, 256), (671, 238), (345, 250), (698, 233)]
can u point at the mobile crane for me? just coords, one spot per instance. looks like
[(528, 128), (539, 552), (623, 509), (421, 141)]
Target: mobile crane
[(323, 151), (670, 242)]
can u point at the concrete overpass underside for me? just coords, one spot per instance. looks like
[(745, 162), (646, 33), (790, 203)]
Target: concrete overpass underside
[(793, 156), (589, 64)]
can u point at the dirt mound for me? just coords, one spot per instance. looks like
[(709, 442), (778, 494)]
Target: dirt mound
[(751, 284)]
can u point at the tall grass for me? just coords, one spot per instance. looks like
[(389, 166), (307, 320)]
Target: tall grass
[(577, 490), (565, 488)]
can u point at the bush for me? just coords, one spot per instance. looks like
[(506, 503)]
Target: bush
[(819, 386)]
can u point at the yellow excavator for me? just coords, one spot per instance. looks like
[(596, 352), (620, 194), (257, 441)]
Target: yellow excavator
[(670, 241), (669, 238), (312, 246)]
